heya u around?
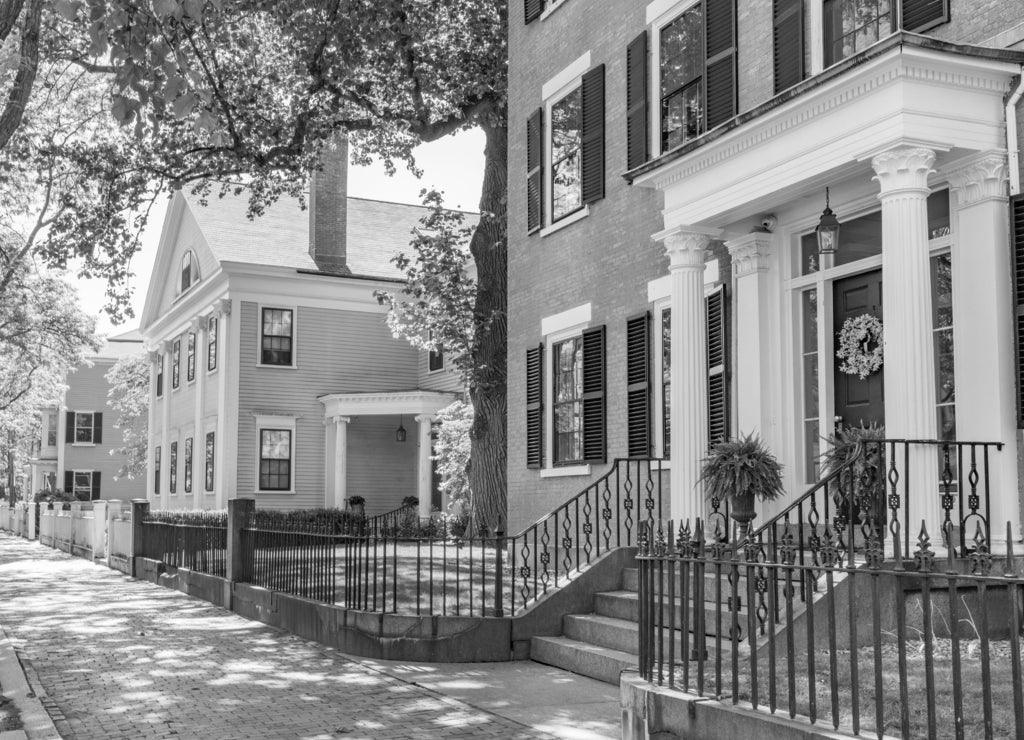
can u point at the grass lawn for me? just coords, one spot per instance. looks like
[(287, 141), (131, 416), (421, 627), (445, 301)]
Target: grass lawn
[(973, 715)]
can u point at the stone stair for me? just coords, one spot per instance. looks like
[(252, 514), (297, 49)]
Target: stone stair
[(605, 642)]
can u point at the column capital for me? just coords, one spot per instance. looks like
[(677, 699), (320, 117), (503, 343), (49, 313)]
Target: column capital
[(222, 307), (165, 346), (154, 356), (196, 324), (750, 253), (979, 177), (339, 419), (686, 245), (429, 418), (905, 168)]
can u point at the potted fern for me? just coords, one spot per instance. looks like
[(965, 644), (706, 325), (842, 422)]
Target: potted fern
[(740, 471)]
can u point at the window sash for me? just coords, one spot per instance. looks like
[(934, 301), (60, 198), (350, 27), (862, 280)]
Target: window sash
[(82, 485), (275, 459), (156, 469), (851, 26), (188, 465), (682, 93), (566, 164), (666, 384), (51, 429), (567, 400), (83, 428), (190, 356), (176, 364), (276, 336), (211, 344)]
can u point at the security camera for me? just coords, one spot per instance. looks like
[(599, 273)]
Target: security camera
[(768, 221)]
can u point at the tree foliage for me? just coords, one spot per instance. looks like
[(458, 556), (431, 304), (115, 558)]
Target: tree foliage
[(129, 397), (452, 453)]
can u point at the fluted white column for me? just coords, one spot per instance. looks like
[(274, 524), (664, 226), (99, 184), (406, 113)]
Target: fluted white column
[(222, 446), (424, 470), (983, 328), (198, 448), (165, 426), (686, 248), (340, 460), (750, 271), (155, 362), (909, 353)]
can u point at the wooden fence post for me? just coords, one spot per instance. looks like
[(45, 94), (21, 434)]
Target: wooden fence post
[(140, 508), (113, 509), (240, 511), (99, 530), (32, 509)]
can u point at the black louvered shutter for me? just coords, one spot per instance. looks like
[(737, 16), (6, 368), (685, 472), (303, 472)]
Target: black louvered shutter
[(637, 129), (594, 437), (638, 385), (97, 429), (592, 139), (920, 15), (720, 70), (69, 427), (69, 481), (787, 43), (95, 485), (1017, 237), (535, 406), (534, 173), (718, 363), (533, 9)]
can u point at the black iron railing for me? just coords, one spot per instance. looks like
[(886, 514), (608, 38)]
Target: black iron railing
[(923, 647), (403, 520), (199, 548)]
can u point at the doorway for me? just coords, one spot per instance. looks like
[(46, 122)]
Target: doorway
[(858, 401)]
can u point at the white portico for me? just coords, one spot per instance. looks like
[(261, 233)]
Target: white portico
[(340, 408), (911, 140)]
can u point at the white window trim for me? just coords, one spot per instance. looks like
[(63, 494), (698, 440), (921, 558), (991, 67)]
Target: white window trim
[(558, 328), (272, 421), (92, 428), (206, 353), (552, 91), (658, 14), (259, 335), (551, 7), (195, 276), (84, 472)]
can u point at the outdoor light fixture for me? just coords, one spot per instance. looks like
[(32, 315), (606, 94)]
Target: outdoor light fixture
[(400, 432), (827, 230)]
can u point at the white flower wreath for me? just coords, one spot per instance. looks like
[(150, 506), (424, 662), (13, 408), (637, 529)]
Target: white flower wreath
[(860, 345)]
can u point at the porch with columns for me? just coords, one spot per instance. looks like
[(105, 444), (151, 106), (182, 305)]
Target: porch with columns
[(341, 408)]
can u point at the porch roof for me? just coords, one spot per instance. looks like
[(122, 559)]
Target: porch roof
[(386, 403), (905, 90)]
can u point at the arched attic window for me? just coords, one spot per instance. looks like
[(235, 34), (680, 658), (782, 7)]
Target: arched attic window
[(189, 270)]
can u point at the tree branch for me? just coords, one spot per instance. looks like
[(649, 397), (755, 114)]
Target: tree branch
[(11, 117)]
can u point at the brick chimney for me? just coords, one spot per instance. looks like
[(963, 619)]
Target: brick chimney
[(328, 208)]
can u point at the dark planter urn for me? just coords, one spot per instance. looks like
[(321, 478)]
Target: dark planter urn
[(742, 511)]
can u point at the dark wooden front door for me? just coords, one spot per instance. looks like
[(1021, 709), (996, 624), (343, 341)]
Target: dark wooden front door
[(857, 401)]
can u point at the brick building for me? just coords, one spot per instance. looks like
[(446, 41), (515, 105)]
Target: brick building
[(274, 373), (669, 167)]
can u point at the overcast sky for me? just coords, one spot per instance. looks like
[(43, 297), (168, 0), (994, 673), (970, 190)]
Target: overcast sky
[(454, 165)]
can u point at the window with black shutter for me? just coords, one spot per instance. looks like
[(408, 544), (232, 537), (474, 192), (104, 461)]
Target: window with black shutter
[(593, 397), (787, 43), (592, 142), (721, 60), (532, 10), (69, 482), (718, 380), (921, 15), (97, 428), (534, 172), (1017, 236), (638, 385), (535, 407), (95, 485), (637, 147)]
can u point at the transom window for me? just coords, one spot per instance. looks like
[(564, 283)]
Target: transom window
[(682, 76), (275, 460), (568, 400), (276, 337), (566, 174), (189, 270), (853, 25)]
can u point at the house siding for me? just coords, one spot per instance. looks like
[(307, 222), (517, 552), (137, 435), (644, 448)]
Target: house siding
[(446, 379), (189, 237), (335, 352)]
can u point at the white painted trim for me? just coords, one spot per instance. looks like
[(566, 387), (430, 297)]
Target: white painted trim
[(576, 317), (553, 5), (385, 404), (561, 223), (659, 289), (284, 422), (565, 471), (295, 333), (567, 76)]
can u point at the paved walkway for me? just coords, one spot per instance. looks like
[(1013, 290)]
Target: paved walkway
[(119, 658)]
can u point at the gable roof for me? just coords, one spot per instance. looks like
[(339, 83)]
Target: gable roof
[(120, 345), (377, 230)]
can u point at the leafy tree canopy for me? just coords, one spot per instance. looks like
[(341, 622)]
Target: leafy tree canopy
[(129, 397)]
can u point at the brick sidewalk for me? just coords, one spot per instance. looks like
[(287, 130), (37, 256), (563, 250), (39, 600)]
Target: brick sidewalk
[(120, 658)]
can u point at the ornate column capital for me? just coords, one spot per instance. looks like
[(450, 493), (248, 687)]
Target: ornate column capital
[(686, 245), (222, 307), (154, 356), (750, 253), (339, 419), (429, 418), (905, 168), (981, 176), (165, 346)]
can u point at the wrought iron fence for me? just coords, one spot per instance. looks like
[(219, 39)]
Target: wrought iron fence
[(441, 572), (397, 521), (881, 648), (194, 546)]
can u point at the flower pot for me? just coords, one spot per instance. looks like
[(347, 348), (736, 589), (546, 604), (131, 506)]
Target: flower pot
[(741, 509)]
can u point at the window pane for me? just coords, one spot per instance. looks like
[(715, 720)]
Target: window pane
[(275, 444), (938, 214), (277, 336), (565, 155), (682, 70), (209, 461), (83, 428), (853, 25), (568, 407)]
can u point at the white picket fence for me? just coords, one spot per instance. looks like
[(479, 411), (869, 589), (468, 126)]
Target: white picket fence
[(98, 530)]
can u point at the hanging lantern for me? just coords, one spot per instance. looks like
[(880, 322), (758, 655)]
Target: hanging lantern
[(827, 230), (400, 432)]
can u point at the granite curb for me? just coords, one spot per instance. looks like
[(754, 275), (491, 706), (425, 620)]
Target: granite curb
[(22, 687)]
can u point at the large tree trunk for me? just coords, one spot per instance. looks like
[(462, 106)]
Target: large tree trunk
[(487, 473)]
